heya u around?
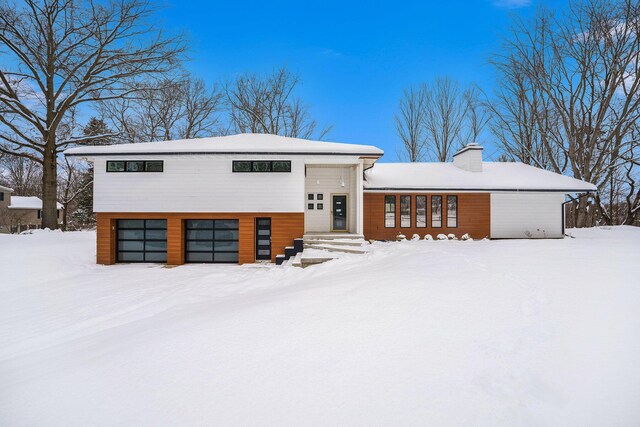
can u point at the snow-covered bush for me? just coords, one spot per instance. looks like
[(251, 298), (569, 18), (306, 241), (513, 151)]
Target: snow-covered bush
[(466, 236), (400, 237), (428, 237), (415, 237), (452, 236), (442, 237)]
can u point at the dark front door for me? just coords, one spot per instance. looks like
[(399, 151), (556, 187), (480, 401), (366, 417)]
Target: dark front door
[(339, 212), (263, 239)]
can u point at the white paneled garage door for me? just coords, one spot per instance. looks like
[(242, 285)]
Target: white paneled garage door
[(526, 215)]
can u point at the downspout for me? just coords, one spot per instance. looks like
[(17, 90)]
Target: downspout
[(572, 199)]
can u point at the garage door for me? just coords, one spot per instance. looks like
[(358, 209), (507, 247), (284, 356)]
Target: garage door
[(142, 240), (211, 240)]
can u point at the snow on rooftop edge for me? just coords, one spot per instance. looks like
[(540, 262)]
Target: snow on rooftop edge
[(494, 176), (30, 202), (248, 142)]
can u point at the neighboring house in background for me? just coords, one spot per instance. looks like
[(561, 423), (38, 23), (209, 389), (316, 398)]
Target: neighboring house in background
[(245, 198), (18, 213)]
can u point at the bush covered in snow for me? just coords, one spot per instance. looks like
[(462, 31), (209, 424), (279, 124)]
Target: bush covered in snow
[(428, 237), (415, 237), (400, 237), (442, 236), (466, 236), (452, 236)]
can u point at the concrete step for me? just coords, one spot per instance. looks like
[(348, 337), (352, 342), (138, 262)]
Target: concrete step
[(345, 242), (338, 248), (332, 236), (297, 260)]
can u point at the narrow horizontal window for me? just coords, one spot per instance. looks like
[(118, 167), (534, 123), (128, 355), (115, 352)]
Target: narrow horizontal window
[(281, 166), (240, 166), (421, 211), (135, 166), (452, 211), (389, 211), (261, 166), (436, 211), (405, 211)]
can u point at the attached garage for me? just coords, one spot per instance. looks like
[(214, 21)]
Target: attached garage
[(526, 215), (211, 241), (141, 240)]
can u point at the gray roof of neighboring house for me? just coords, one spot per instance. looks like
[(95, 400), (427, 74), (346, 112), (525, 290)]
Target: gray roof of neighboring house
[(30, 202)]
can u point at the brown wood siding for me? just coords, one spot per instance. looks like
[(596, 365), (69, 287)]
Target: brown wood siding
[(284, 228), (473, 216)]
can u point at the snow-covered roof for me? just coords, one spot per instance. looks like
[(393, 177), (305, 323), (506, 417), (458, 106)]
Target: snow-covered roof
[(499, 176), (246, 143), (32, 202), (3, 188)]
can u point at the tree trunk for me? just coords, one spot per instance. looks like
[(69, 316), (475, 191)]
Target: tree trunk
[(581, 213), (49, 190)]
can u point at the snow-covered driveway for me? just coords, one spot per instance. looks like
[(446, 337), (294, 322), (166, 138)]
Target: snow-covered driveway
[(416, 333)]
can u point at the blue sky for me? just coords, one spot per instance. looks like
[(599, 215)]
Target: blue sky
[(354, 58)]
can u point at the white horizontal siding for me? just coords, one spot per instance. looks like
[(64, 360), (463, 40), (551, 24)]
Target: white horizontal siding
[(526, 215), (198, 184), (204, 183)]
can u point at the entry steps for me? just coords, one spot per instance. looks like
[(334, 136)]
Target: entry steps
[(317, 248)]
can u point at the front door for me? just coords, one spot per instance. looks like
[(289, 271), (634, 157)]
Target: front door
[(339, 212), (263, 239)]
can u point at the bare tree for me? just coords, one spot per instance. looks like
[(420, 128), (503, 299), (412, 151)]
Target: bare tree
[(267, 104), (67, 55), (410, 123), (23, 175), (179, 108), (582, 66), (445, 119), (478, 114)]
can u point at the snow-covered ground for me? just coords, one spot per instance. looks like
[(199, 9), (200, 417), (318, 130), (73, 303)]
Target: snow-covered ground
[(432, 333)]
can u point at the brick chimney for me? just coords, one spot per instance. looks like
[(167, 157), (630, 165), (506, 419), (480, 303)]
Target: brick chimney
[(469, 158)]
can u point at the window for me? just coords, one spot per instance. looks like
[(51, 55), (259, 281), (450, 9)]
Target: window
[(135, 166), (452, 211), (320, 196), (310, 196), (310, 206), (1, 196), (39, 214), (281, 166), (320, 206), (261, 166), (421, 211), (140, 240), (405, 211), (389, 211), (436, 211), (239, 166)]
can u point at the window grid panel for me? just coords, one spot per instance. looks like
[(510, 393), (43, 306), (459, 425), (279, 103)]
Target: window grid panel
[(389, 211), (421, 211), (216, 228), (140, 228), (405, 211), (452, 211), (134, 166), (436, 211)]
